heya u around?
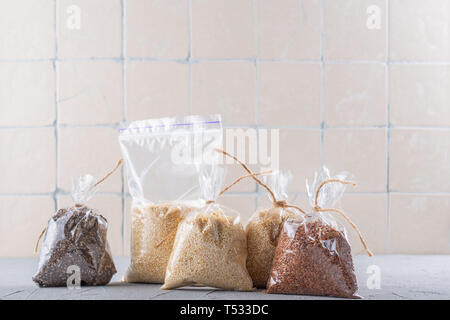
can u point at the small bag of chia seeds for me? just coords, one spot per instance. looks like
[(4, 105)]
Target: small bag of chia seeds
[(75, 240), (313, 255)]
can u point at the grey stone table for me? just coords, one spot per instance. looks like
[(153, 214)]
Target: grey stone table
[(401, 277)]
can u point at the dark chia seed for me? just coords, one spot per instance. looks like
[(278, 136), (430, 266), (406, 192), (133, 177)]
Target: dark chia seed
[(75, 236)]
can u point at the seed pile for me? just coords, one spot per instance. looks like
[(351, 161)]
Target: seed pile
[(75, 236), (263, 230), (312, 258), (210, 249), (153, 231)]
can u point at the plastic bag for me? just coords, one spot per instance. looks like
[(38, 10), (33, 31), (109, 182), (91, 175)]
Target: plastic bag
[(210, 247), (153, 232), (76, 239), (163, 159), (264, 228), (313, 255)]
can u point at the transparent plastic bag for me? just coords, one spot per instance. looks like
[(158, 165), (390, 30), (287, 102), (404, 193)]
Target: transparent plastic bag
[(313, 255), (163, 159), (264, 227), (210, 247), (76, 237), (153, 232)]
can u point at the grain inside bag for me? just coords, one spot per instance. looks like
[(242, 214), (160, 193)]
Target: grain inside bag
[(264, 227), (76, 239), (162, 158), (210, 247), (313, 255)]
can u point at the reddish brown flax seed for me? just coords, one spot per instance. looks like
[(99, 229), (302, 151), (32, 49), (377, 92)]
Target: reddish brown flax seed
[(312, 258)]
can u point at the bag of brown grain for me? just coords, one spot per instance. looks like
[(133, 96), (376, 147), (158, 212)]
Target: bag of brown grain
[(75, 239), (264, 227), (163, 157), (313, 255), (210, 247)]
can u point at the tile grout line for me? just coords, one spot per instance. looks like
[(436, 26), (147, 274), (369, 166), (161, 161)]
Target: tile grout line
[(256, 43), (295, 127), (189, 57), (250, 60), (322, 93), (239, 193), (56, 95), (388, 128), (124, 115)]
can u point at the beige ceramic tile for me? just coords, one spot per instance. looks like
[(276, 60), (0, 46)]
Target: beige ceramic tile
[(355, 29), (243, 204), (89, 28), (300, 154), (420, 224), (227, 88), (27, 160), (93, 151), (90, 92), (355, 94), (109, 207), (419, 160), (362, 152), (289, 94), (299, 199), (27, 29), (233, 172), (27, 97), (157, 89), (157, 29), (242, 143), (419, 30), (369, 213), (419, 95), (223, 29), (290, 29), (21, 222)]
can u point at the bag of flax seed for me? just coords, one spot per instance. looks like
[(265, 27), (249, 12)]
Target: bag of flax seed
[(313, 255), (163, 158), (264, 227), (210, 247), (76, 239)]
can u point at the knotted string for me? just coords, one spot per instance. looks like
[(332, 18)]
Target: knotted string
[(237, 181), (80, 205), (317, 208), (276, 203)]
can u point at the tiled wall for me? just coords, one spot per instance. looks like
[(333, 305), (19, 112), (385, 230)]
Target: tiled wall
[(343, 92)]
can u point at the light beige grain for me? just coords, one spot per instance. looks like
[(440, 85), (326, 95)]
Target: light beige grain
[(210, 249), (153, 232)]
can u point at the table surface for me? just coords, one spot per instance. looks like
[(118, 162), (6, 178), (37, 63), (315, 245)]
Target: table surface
[(401, 277)]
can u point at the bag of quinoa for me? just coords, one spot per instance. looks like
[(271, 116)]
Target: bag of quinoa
[(313, 255), (163, 158), (210, 247), (76, 239), (264, 227)]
